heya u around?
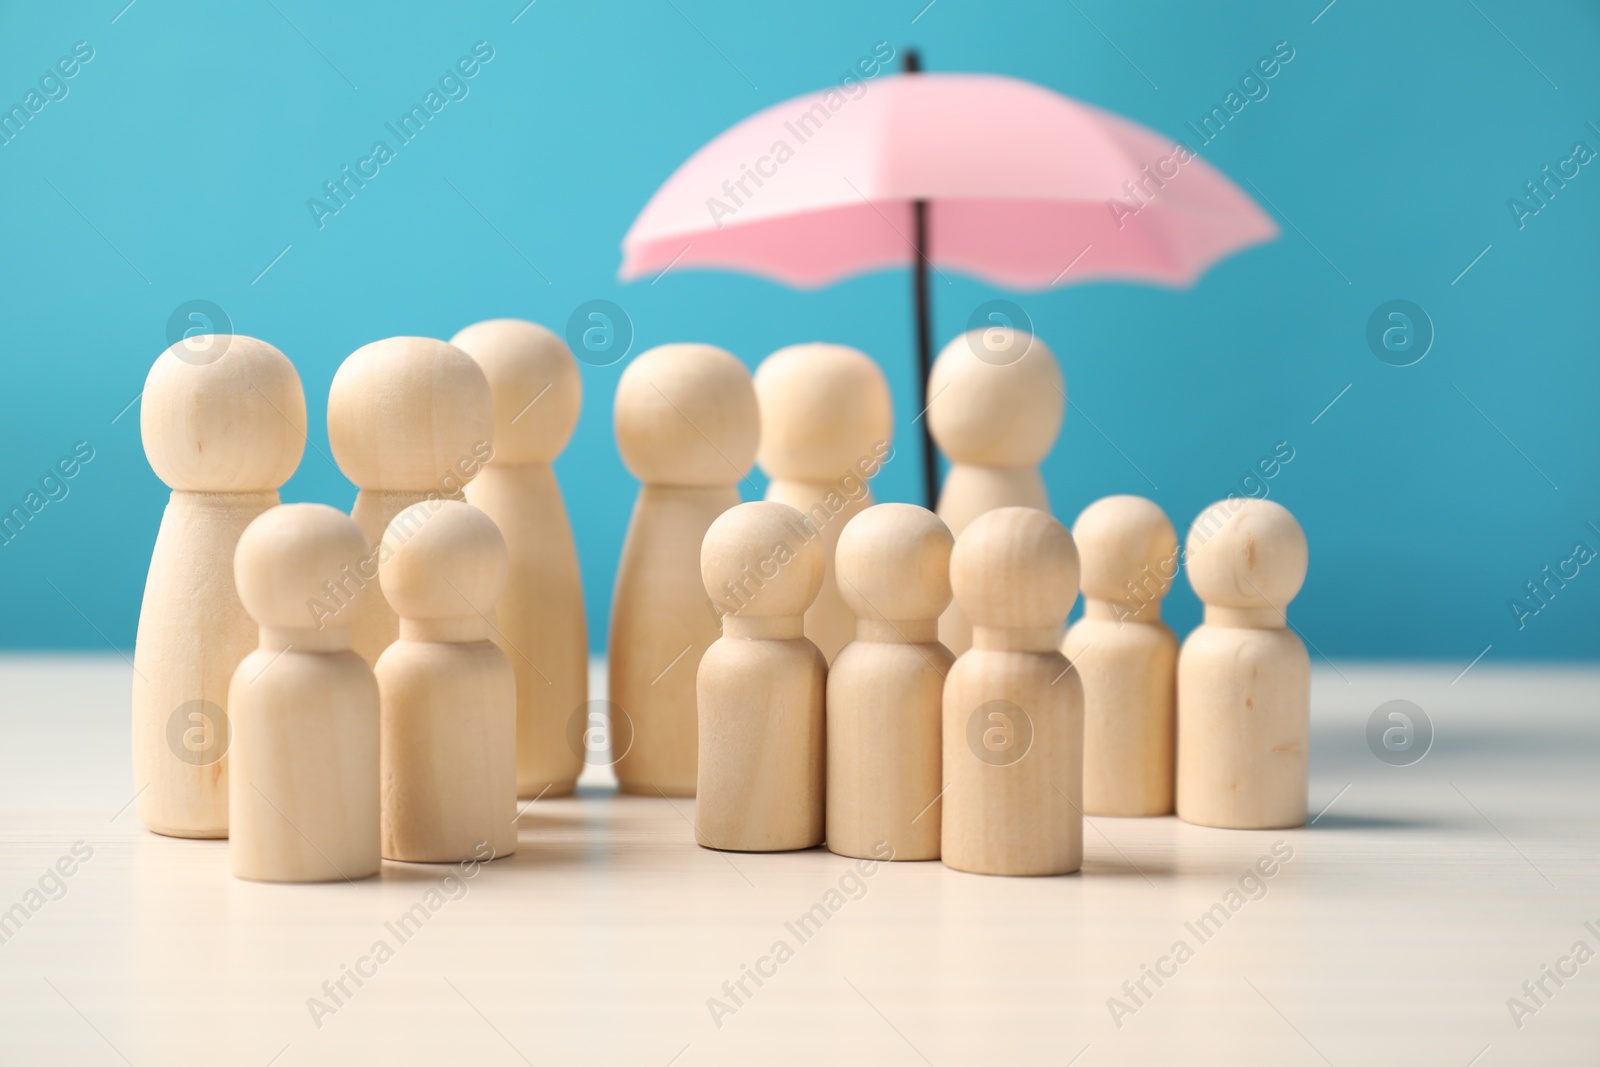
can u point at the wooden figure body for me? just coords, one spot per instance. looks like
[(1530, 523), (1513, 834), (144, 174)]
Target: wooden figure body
[(687, 427), (303, 775), (996, 399), (448, 694), (885, 688), (761, 686), (826, 422), (1244, 678), (539, 621), (224, 425), (1013, 708), (1126, 657), (409, 419)]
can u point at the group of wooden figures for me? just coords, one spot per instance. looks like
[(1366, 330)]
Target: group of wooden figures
[(331, 690)]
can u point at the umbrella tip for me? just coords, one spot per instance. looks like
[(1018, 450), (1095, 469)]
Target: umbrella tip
[(911, 61)]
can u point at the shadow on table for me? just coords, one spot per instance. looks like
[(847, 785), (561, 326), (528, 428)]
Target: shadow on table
[(1335, 821)]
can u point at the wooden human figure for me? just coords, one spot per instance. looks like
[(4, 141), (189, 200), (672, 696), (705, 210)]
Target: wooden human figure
[(1013, 708), (409, 418), (448, 693), (224, 425), (303, 774), (539, 620), (761, 685), (885, 688), (1126, 657), (1244, 679), (826, 421), (996, 399), (687, 426)]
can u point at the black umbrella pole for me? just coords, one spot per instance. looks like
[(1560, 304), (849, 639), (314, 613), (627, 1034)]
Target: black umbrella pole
[(919, 282), (919, 274)]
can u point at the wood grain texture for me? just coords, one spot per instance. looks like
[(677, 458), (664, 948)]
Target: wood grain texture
[(409, 419), (192, 634), (761, 685), (373, 623), (540, 623), (995, 399), (1126, 657), (303, 774), (687, 427), (1013, 709), (448, 695), (826, 423), (1244, 678), (885, 689), (223, 422), (539, 620)]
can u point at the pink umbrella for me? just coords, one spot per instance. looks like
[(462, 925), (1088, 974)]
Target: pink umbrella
[(978, 173)]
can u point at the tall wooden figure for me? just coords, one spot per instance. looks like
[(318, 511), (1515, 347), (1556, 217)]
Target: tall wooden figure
[(761, 685), (826, 421), (224, 424), (996, 399), (885, 689), (539, 621), (449, 698), (1126, 657), (1013, 708), (409, 419), (687, 426), (1244, 679), (303, 780)]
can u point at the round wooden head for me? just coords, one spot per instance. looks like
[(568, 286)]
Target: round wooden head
[(992, 412), (1123, 539), (410, 413), (286, 557), (1246, 553), (686, 415), (759, 560), (893, 562), (537, 389), (823, 409), (443, 559), (1015, 568), (235, 423)]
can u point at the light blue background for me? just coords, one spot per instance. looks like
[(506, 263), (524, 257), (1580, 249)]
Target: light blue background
[(1392, 141)]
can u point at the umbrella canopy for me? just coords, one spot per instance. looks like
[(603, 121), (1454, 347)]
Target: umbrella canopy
[(1019, 183), (978, 173)]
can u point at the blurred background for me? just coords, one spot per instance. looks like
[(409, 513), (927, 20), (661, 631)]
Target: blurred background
[(170, 174)]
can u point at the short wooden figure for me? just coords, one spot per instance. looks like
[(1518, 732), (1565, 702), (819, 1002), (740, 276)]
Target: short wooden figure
[(996, 399), (448, 694), (1244, 678), (687, 425), (885, 688), (1126, 657), (409, 419), (539, 620), (761, 685), (224, 424), (1013, 708), (826, 423), (303, 775)]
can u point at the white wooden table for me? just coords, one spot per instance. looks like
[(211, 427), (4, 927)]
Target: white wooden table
[(1415, 906)]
